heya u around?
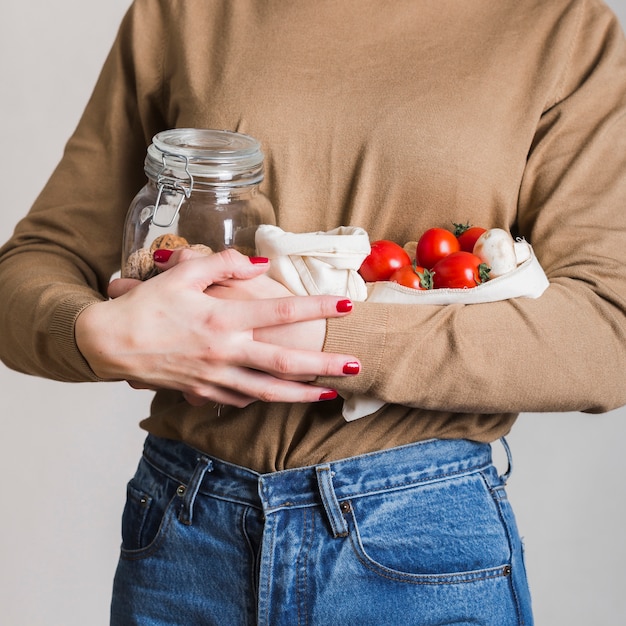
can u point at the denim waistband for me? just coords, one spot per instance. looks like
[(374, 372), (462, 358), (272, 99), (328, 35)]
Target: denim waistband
[(390, 469)]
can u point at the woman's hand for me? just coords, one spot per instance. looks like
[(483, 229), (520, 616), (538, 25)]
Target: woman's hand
[(173, 332)]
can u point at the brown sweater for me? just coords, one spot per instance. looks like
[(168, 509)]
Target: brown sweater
[(394, 118)]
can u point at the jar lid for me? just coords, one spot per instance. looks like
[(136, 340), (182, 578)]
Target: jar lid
[(216, 157)]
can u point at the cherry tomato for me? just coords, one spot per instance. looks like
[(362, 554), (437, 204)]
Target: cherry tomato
[(434, 245), (460, 270), (468, 235), (384, 259), (413, 276)]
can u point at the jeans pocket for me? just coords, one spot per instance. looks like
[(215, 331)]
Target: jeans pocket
[(151, 503), (441, 532)]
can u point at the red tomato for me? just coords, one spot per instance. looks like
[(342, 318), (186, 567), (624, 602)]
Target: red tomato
[(460, 270), (384, 259), (413, 276), (434, 245), (468, 235)]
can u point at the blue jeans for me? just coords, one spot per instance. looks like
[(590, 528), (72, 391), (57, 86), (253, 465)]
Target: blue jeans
[(421, 534)]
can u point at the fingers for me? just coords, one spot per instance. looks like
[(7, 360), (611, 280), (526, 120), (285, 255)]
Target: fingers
[(240, 267), (288, 310), (255, 386), (278, 392), (304, 365), (186, 266), (219, 396), (206, 269)]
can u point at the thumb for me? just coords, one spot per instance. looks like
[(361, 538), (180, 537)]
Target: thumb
[(165, 258), (119, 286)]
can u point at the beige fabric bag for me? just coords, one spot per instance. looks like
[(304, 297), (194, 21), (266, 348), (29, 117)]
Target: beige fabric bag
[(313, 264)]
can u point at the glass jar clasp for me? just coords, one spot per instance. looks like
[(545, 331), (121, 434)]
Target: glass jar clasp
[(172, 185)]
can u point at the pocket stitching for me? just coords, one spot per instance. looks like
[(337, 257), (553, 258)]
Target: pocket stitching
[(500, 571), (147, 551)]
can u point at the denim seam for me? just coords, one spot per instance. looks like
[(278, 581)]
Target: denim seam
[(133, 494), (386, 489), (254, 576), (302, 566), (185, 515), (218, 496), (287, 504), (268, 582), (497, 499), (337, 522), (153, 546), (500, 571), (156, 466)]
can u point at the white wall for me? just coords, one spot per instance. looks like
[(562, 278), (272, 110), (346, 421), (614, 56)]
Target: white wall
[(66, 451)]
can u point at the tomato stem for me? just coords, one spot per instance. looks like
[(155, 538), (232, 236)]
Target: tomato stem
[(426, 278), (459, 229), (483, 273)]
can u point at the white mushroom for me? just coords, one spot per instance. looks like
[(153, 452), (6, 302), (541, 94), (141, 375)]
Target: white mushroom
[(496, 248)]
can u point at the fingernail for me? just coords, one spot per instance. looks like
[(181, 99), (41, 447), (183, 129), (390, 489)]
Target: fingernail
[(162, 255), (328, 395), (344, 306), (352, 368), (258, 260)]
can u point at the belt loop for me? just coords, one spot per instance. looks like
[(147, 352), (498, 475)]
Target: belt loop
[(338, 524), (185, 514), (505, 444)]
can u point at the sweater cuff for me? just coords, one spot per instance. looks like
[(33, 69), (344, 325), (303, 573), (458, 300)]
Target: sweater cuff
[(346, 335), (61, 330)]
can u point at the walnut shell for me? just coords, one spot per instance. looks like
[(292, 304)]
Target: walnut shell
[(140, 265), (200, 247), (168, 241)]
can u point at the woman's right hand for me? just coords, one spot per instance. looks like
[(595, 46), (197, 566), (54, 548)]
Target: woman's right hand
[(169, 332)]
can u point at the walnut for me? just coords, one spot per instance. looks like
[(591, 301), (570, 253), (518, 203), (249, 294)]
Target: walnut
[(168, 241), (140, 265), (200, 247)]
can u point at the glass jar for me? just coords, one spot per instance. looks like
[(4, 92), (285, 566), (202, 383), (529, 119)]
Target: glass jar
[(202, 191)]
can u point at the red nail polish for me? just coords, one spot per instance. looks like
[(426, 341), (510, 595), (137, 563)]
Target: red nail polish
[(352, 368), (162, 255), (258, 260), (328, 395), (344, 306)]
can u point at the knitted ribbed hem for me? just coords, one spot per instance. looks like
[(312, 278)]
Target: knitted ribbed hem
[(61, 331), (344, 335)]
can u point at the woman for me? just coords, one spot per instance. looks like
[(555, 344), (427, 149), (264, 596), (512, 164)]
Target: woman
[(508, 115)]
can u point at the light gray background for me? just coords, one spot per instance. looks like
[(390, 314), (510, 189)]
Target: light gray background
[(66, 451)]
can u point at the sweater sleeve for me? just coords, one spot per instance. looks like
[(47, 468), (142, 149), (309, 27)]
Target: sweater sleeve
[(566, 350), (63, 253)]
